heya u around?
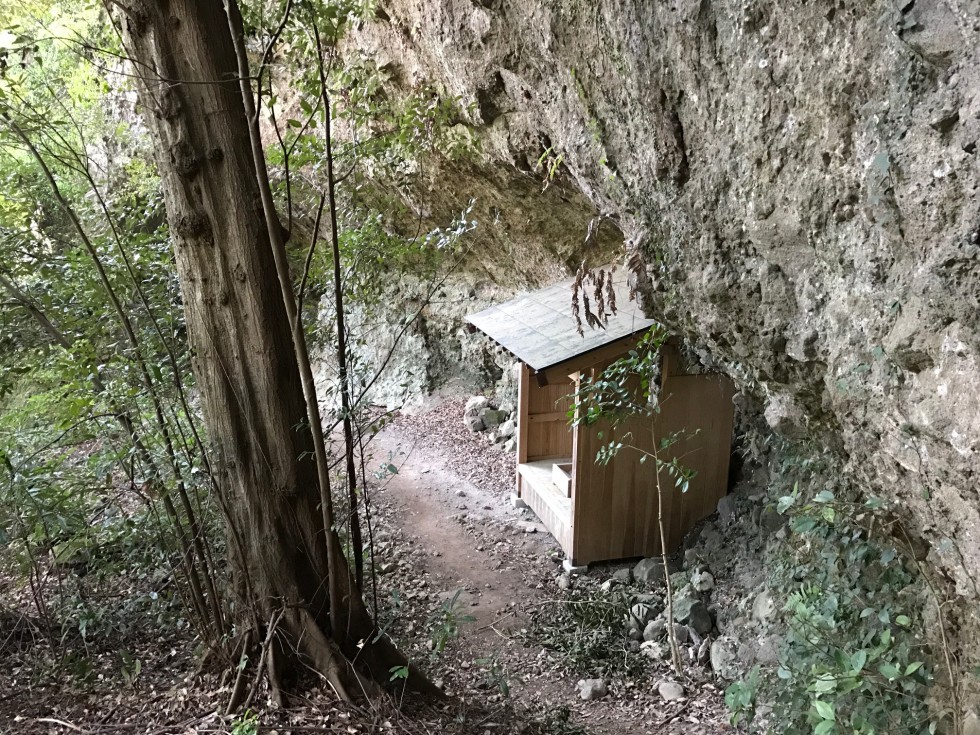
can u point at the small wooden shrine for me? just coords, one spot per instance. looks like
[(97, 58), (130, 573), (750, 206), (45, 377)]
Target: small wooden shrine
[(603, 512)]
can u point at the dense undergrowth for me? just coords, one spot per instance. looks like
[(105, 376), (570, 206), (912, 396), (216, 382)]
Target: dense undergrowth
[(853, 610)]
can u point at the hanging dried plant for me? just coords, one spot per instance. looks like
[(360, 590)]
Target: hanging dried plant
[(611, 292), (598, 280), (576, 289), (603, 295), (591, 319)]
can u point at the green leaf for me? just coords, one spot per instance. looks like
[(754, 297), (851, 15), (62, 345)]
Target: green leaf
[(823, 727), (784, 504), (913, 667), (824, 684), (824, 709), (903, 620), (858, 660), (889, 671), (802, 524), (824, 496)]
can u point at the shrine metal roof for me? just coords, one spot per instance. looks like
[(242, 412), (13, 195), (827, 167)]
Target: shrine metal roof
[(540, 329)]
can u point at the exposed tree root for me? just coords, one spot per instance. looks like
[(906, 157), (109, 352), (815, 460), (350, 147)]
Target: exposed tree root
[(241, 680)]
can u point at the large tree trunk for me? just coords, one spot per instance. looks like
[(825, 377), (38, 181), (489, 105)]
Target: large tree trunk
[(243, 354)]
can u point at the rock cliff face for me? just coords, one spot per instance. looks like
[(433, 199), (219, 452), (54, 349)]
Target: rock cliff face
[(525, 236), (801, 181)]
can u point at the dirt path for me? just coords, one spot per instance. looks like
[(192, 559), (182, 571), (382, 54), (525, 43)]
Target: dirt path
[(472, 538), (466, 536)]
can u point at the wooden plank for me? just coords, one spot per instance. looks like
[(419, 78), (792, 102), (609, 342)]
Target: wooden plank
[(616, 506), (553, 416), (523, 385), (547, 439), (550, 505), (576, 459), (670, 360), (592, 509), (602, 354), (523, 403), (703, 402)]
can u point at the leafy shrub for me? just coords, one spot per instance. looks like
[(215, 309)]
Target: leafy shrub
[(854, 658)]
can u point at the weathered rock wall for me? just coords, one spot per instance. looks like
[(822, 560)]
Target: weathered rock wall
[(523, 232), (802, 181), (415, 344)]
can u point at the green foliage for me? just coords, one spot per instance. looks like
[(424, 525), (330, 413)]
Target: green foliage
[(373, 258), (130, 668), (445, 623), (246, 723), (78, 501), (385, 137), (398, 673), (549, 163), (624, 389), (740, 697), (78, 667), (494, 675), (854, 658), (380, 145)]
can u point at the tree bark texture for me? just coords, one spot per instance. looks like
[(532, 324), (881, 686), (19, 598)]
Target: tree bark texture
[(239, 333)]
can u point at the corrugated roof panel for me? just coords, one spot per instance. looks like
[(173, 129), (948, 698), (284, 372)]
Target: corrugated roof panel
[(539, 327)]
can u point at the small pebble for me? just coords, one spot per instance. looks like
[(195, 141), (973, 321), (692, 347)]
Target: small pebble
[(670, 691), (590, 689)]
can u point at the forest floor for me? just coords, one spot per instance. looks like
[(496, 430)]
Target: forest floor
[(450, 501), (466, 584)]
